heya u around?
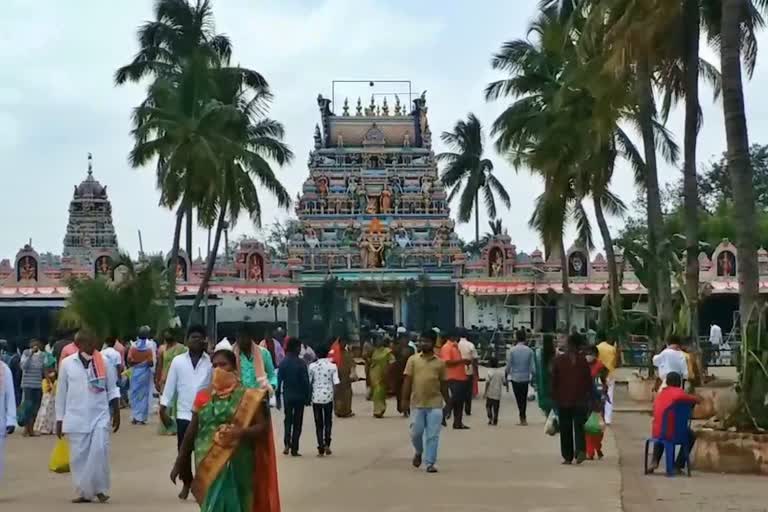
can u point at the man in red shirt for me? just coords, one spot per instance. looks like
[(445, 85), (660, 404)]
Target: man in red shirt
[(668, 397), (571, 391), (457, 378)]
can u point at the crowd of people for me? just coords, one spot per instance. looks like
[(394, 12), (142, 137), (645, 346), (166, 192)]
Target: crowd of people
[(217, 399)]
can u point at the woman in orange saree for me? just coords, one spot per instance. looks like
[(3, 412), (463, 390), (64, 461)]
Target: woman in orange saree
[(231, 437)]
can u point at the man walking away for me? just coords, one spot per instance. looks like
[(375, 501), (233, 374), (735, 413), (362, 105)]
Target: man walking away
[(188, 374), (323, 378), (607, 354), (293, 392), (571, 391), (671, 359), (424, 392), (87, 393), (457, 381), (469, 353), (520, 368), (715, 340), (7, 410), (32, 364)]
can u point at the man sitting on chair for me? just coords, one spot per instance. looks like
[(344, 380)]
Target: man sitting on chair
[(668, 397)]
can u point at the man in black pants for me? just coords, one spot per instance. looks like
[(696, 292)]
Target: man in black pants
[(457, 381), (188, 374), (323, 377), (571, 391), (520, 368), (292, 392)]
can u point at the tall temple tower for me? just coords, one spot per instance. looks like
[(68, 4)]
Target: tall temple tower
[(90, 226), (374, 218)]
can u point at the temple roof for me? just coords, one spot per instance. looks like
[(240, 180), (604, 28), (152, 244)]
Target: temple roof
[(89, 188), (375, 126)]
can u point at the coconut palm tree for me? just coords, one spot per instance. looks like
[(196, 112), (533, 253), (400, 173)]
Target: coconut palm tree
[(177, 49), (738, 156), (179, 32), (565, 126), (468, 174), (252, 142)]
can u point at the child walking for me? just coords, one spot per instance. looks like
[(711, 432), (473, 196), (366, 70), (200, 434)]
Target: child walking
[(493, 384), (46, 416), (323, 377), (595, 425)]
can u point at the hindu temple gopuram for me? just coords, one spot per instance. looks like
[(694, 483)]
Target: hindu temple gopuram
[(374, 245), (374, 219)]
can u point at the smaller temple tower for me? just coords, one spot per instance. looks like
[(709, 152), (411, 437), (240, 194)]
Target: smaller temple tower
[(90, 219)]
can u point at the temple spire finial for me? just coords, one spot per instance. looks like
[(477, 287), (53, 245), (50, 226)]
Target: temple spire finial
[(90, 164)]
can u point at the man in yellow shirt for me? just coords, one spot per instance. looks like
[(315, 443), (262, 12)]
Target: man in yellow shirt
[(608, 355)]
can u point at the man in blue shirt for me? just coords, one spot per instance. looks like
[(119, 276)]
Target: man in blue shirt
[(294, 392)]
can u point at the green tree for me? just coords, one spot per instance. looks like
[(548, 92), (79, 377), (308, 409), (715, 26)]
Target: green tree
[(468, 174), (250, 142), (118, 308), (180, 33), (565, 127), (184, 119)]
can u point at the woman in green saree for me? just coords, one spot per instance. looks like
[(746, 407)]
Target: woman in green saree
[(165, 354), (381, 359), (231, 437), (545, 354)]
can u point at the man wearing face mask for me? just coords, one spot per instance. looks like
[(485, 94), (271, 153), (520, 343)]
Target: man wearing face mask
[(87, 399)]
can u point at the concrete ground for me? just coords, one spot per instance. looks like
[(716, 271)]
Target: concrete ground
[(703, 492), (486, 469)]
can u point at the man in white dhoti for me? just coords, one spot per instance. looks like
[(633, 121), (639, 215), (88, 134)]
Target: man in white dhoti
[(87, 394), (7, 410)]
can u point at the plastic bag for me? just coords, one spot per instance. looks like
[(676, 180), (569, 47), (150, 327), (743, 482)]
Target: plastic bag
[(24, 414), (594, 424), (552, 426), (59, 462)]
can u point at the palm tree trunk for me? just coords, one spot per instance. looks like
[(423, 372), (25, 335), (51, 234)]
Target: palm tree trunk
[(738, 160), (610, 255), (172, 261), (210, 263), (690, 182), (663, 298), (188, 237), (566, 285), (477, 216)]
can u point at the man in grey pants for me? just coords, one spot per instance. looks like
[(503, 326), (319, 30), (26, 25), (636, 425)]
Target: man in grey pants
[(520, 370)]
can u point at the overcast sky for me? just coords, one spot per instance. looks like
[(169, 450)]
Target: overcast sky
[(58, 102)]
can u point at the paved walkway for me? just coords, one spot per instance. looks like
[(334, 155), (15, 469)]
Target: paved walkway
[(703, 492), (486, 469)]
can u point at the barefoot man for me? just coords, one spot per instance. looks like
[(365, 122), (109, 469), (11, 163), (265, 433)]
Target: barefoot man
[(87, 394)]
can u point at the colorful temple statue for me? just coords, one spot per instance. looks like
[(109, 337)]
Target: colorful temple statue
[(389, 223)]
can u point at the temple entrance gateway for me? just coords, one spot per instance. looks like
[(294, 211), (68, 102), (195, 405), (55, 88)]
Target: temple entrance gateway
[(376, 312)]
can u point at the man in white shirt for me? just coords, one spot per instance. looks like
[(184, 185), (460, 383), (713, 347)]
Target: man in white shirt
[(188, 374), (715, 335), (86, 397), (468, 353), (671, 359), (7, 410), (323, 378), (716, 340)]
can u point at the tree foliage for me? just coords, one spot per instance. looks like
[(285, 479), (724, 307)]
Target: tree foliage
[(119, 308)]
